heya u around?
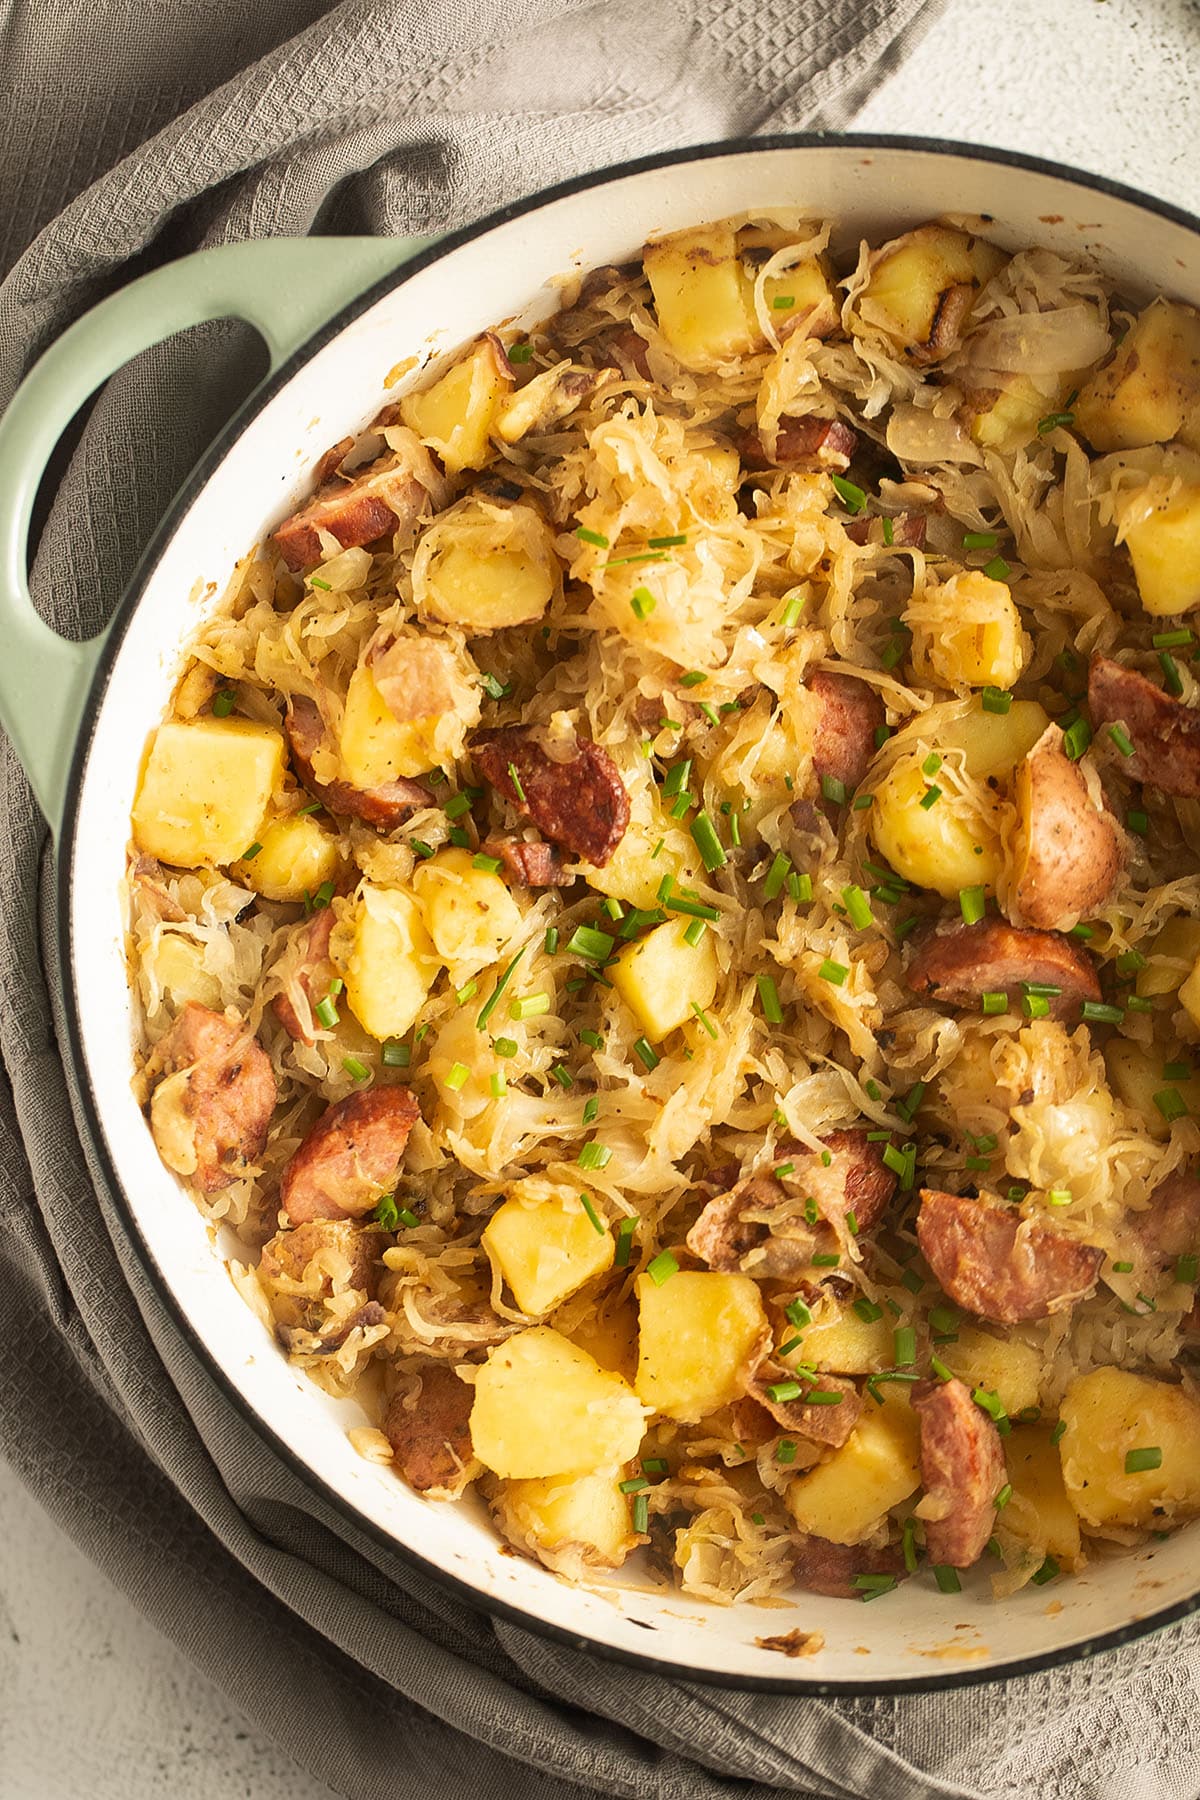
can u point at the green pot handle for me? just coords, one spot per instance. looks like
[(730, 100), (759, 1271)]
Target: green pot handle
[(287, 288)]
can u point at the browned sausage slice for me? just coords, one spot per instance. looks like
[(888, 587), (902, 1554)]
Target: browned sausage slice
[(962, 1471), (850, 714), (351, 1157), (957, 965), (312, 976), (1170, 1226), (908, 530), (1165, 733), (1069, 848), (825, 1568), (810, 443), (821, 1421), (994, 1263), (532, 864), (385, 806), (432, 1439), (350, 1249), (581, 804), (211, 1111), (388, 497)]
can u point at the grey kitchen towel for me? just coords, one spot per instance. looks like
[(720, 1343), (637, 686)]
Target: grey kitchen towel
[(136, 132)]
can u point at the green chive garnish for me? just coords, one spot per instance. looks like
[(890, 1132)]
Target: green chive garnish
[(661, 1267)]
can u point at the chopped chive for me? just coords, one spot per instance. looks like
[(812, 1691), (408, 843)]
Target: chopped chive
[(997, 569), (491, 865), (591, 1110), (625, 1230), (457, 805), (646, 1053), (637, 1484), (1077, 739), (695, 932), (562, 1075), (1185, 1268), (395, 1056), (1057, 1434), (520, 353), (223, 703), (1122, 1268), (677, 777), (1171, 675), (1047, 1572), (785, 1451), (1053, 420), (867, 1310), (460, 838), (826, 1260), (597, 1225), (993, 1002), (852, 1225), (940, 1370), (904, 1352), (768, 995), (776, 876), (655, 1465), (833, 789), (595, 946), (792, 1344), (781, 1391), (692, 909), (947, 1578), (791, 613), (667, 543), (704, 836), (1171, 1104), (1097, 1012), (1059, 1197), (980, 540), (929, 798), (889, 532), (872, 1586), (1121, 739), (853, 498), (972, 903), (642, 556), (326, 1013), (531, 1006), (797, 1313), (353, 1067), (642, 603), (662, 1267), (489, 1005), (495, 690), (592, 1039), (800, 887), (858, 907), (1138, 822), (518, 790), (457, 1078), (910, 1279), (595, 1156), (781, 302), (1139, 1003), (591, 537), (1176, 1071), (1130, 961), (387, 1213), (704, 1019), (1035, 1006), (1182, 639), (931, 764), (640, 1514), (995, 700), (693, 678), (422, 849)]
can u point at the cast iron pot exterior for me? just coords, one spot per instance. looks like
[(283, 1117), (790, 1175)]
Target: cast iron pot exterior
[(338, 315)]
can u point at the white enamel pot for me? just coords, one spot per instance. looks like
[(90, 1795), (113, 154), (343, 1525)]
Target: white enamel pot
[(338, 315)]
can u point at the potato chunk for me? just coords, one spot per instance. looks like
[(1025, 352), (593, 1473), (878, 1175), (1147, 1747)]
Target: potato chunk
[(700, 1337), (948, 845), (1172, 957), (663, 977), (485, 567), (1039, 1511), (296, 856), (1136, 1076), (1111, 1418), (544, 1245), (543, 1407), (846, 1497), (1149, 392), (455, 415), (611, 1337), (1007, 1366), (994, 743), (967, 631), (1159, 525), (847, 1345), (392, 964), (572, 1525), (703, 297), (206, 789), (921, 287), (469, 913)]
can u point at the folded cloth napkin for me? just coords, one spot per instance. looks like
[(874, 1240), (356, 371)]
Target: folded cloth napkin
[(137, 132)]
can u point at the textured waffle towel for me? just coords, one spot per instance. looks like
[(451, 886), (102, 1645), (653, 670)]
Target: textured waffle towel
[(137, 132)]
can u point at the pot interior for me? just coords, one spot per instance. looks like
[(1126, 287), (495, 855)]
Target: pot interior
[(508, 271)]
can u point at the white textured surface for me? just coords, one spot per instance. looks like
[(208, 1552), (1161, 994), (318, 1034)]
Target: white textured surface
[(92, 1701)]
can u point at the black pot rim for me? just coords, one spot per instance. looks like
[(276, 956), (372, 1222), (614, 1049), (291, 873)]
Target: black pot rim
[(87, 1110)]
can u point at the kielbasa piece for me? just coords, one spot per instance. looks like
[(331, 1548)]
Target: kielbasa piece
[(958, 965), (962, 1471), (850, 714), (908, 531), (211, 1110), (385, 806), (300, 1337), (431, 1440), (1068, 849), (811, 443), (825, 1568), (727, 1239), (822, 1421), (581, 804), (856, 1179), (994, 1263), (388, 497), (312, 976), (350, 1157), (1165, 733), (531, 864), (1170, 1226)]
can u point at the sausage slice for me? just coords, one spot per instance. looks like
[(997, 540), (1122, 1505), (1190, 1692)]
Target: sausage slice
[(389, 496), (958, 965), (431, 1439), (821, 1421), (1165, 733), (1170, 1226), (385, 806), (312, 976), (532, 864), (1069, 848), (995, 1263), (350, 1157), (825, 1568), (212, 1108), (287, 1258), (962, 1471), (581, 804), (850, 714), (810, 443)]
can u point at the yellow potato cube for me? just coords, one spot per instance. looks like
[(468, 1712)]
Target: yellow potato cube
[(809, 289), (910, 278), (611, 1337), (1007, 418), (545, 1248), (845, 1497), (1189, 994), (968, 630), (1135, 1076), (468, 912), (1172, 957), (376, 747), (206, 789), (574, 1524), (700, 1335), (662, 977), (1007, 1367), (392, 964), (296, 858), (455, 415), (1116, 1422), (1164, 543), (1039, 1511), (847, 1345), (994, 743), (704, 301), (543, 1407), (633, 872), (948, 845), (485, 567), (175, 965), (1149, 392)]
